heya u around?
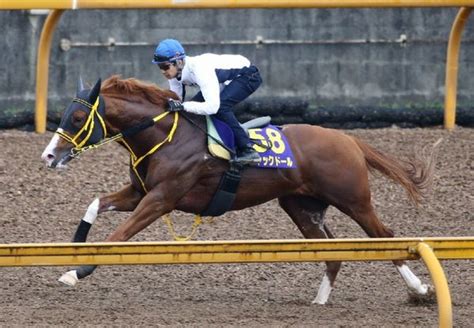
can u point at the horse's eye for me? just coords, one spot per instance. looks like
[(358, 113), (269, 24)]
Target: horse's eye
[(78, 119)]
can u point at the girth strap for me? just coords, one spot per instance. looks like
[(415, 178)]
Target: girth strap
[(224, 197)]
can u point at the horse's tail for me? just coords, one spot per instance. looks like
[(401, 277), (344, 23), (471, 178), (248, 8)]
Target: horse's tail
[(415, 175)]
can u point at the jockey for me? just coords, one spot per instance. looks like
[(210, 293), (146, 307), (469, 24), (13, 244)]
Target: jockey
[(223, 80)]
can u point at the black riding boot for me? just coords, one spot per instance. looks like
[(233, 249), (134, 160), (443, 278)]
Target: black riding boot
[(247, 155)]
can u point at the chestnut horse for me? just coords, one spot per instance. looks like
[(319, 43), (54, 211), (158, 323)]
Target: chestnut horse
[(332, 169)]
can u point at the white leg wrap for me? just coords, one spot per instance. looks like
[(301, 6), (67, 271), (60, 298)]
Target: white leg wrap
[(323, 292), (69, 278), (92, 212), (412, 281)]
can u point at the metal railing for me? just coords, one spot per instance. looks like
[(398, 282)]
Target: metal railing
[(431, 250)]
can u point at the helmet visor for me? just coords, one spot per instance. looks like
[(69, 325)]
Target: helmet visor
[(157, 59)]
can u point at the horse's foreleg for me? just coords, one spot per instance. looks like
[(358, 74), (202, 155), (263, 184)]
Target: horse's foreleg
[(308, 215), (148, 211), (86, 222), (123, 200)]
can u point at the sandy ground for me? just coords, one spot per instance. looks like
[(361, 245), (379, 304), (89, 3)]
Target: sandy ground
[(41, 205)]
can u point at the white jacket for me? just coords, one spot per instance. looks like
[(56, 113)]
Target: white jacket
[(211, 73)]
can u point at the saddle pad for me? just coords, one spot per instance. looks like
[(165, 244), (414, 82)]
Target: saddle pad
[(216, 150)]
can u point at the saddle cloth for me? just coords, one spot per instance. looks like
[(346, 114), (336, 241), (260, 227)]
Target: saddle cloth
[(268, 140)]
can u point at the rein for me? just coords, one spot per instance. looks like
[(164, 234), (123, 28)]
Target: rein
[(126, 133), (135, 160), (80, 147)]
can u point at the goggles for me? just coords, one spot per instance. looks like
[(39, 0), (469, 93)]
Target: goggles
[(157, 59), (164, 66)]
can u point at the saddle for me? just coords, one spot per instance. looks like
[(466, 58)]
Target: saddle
[(221, 134), (269, 141)]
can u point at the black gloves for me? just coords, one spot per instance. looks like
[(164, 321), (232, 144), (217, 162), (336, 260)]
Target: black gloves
[(175, 105)]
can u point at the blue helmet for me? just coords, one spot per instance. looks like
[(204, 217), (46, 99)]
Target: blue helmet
[(168, 50)]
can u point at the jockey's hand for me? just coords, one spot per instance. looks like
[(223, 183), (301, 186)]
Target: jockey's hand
[(175, 105)]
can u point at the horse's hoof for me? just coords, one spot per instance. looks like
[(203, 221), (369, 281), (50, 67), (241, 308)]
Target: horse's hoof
[(69, 278), (429, 297), (320, 300)]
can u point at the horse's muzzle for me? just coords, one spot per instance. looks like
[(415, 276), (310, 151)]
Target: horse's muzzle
[(62, 162), (57, 161)]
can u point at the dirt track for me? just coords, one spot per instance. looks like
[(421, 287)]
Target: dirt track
[(41, 205)]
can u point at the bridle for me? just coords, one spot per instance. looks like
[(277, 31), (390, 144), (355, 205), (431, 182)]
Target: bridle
[(87, 128), (98, 111)]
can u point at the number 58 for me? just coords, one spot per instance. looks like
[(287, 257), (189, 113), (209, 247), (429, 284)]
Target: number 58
[(274, 137)]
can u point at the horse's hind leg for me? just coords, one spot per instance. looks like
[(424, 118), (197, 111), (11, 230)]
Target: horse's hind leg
[(308, 214), (365, 216), (125, 199)]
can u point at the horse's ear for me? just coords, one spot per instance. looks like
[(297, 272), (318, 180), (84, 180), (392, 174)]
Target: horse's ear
[(95, 92), (80, 85)]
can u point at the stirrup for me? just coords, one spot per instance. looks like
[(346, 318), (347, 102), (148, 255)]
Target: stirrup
[(245, 161)]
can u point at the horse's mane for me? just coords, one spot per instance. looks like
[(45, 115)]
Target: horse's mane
[(128, 88)]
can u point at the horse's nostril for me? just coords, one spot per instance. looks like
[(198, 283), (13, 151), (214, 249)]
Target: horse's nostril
[(50, 156)]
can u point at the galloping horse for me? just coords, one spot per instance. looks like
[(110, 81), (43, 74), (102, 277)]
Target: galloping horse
[(171, 168)]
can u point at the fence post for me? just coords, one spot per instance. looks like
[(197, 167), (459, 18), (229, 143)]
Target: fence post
[(452, 60), (441, 285), (42, 67)]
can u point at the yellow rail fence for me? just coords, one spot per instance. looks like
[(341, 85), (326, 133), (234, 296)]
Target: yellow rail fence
[(430, 250), (59, 6)]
